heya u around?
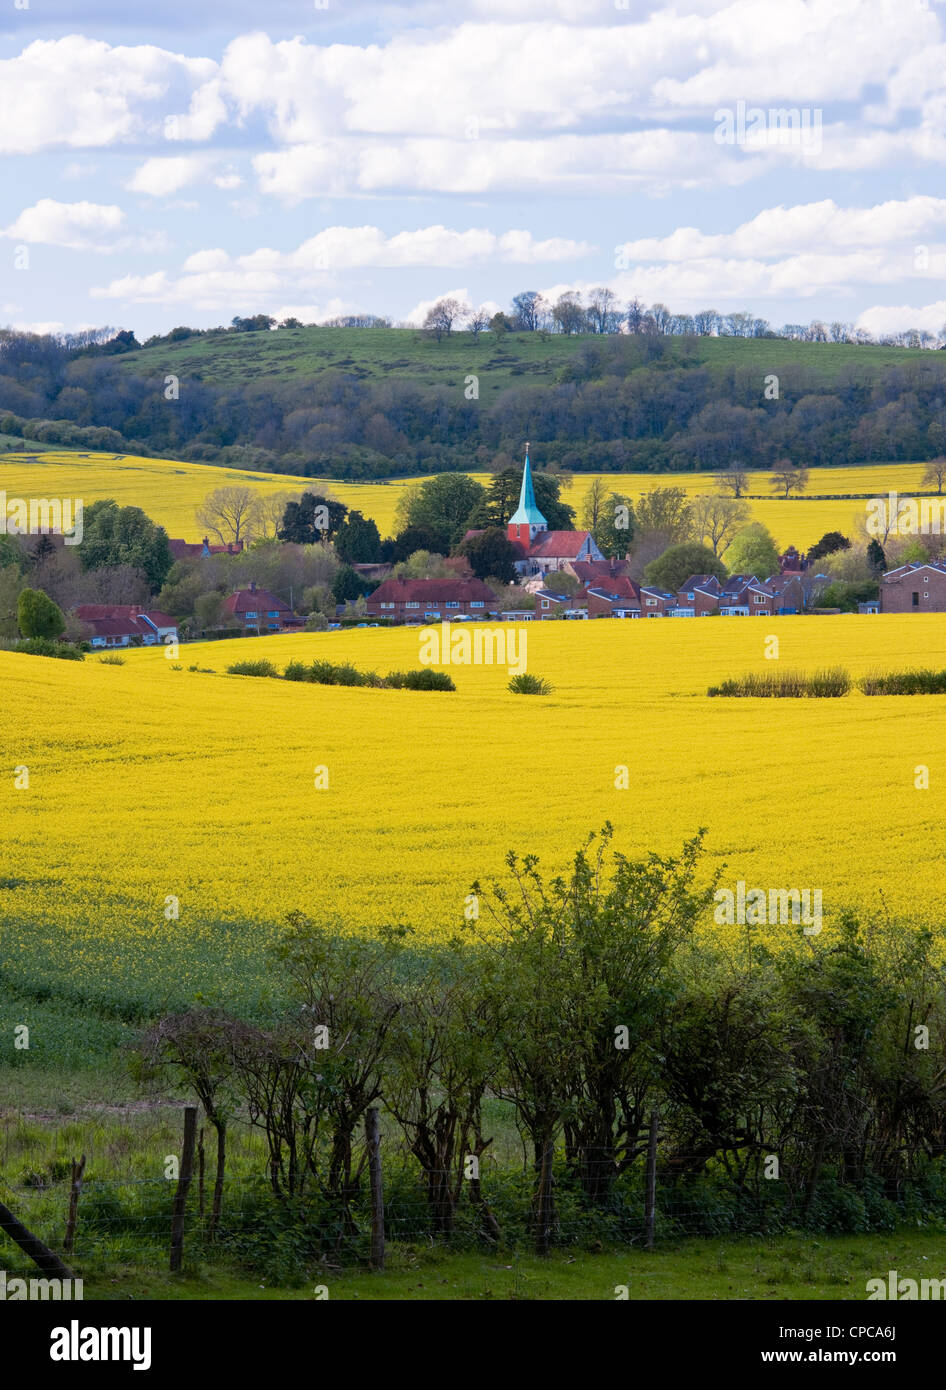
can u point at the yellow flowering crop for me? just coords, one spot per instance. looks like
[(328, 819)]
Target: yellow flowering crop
[(150, 787), (170, 491)]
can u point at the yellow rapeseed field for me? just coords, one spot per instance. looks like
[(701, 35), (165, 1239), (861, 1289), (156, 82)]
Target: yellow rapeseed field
[(149, 784), (170, 491)]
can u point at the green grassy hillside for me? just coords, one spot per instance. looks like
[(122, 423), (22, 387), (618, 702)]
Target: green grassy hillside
[(531, 359)]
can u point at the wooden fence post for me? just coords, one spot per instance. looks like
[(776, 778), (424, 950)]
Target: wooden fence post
[(650, 1205), (40, 1254), (78, 1170), (183, 1183), (373, 1140)]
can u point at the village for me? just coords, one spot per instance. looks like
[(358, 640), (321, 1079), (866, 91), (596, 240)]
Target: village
[(560, 575)]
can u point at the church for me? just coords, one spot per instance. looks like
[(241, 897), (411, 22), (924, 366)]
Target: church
[(542, 551)]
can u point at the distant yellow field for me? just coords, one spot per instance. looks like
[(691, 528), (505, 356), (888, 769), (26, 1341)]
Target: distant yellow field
[(148, 783), (170, 491)]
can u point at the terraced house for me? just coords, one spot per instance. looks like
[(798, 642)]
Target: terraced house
[(431, 600)]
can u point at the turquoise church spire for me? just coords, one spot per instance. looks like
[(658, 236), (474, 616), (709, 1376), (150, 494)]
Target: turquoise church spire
[(527, 513)]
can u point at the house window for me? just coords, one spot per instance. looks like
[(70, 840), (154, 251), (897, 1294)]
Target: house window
[(545, 603), (411, 604), (926, 595), (274, 614), (651, 603), (386, 605), (758, 598), (477, 603), (690, 597), (916, 600), (452, 603), (251, 615)]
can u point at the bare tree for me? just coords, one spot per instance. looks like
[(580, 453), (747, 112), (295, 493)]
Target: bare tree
[(230, 513), (716, 519), (272, 509), (478, 322), (444, 316), (935, 472), (734, 479), (568, 314), (602, 312), (788, 477)]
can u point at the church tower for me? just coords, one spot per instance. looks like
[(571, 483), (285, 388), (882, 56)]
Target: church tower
[(526, 521)]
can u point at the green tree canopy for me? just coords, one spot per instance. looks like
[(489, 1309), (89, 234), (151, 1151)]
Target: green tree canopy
[(312, 519), (38, 616), (357, 540), (443, 505), (673, 568), (491, 554), (115, 535), (753, 551)]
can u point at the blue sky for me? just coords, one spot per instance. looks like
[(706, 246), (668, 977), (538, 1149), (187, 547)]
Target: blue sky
[(182, 162)]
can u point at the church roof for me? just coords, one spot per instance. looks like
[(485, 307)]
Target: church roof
[(558, 545), (527, 513)]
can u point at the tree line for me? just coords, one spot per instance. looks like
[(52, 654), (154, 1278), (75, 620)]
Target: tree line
[(622, 402)]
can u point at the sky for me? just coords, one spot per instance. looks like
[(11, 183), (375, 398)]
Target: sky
[(186, 162)]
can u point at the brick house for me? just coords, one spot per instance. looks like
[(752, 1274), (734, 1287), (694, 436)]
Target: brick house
[(698, 597), (548, 604), (788, 592), (123, 624), (618, 598), (656, 603), (257, 610), (745, 596), (914, 588), (431, 600)]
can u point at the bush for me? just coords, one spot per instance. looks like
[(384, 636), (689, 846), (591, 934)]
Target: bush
[(424, 679), (782, 685), (252, 668), (111, 659), (37, 615), (45, 646), (913, 682), (530, 685)]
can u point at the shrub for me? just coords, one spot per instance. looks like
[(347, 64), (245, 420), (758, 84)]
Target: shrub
[(912, 682), (782, 685), (424, 679), (252, 668), (530, 685), (37, 615), (111, 659)]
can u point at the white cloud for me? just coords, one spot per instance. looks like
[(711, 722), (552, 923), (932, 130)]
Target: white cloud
[(78, 226), (898, 318), (83, 93), (212, 276), (806, 226), (164, 175)]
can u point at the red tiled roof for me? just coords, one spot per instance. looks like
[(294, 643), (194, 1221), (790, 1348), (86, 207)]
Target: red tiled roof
[(254, 601), (594, 571), (561, 544), (432, 591)]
